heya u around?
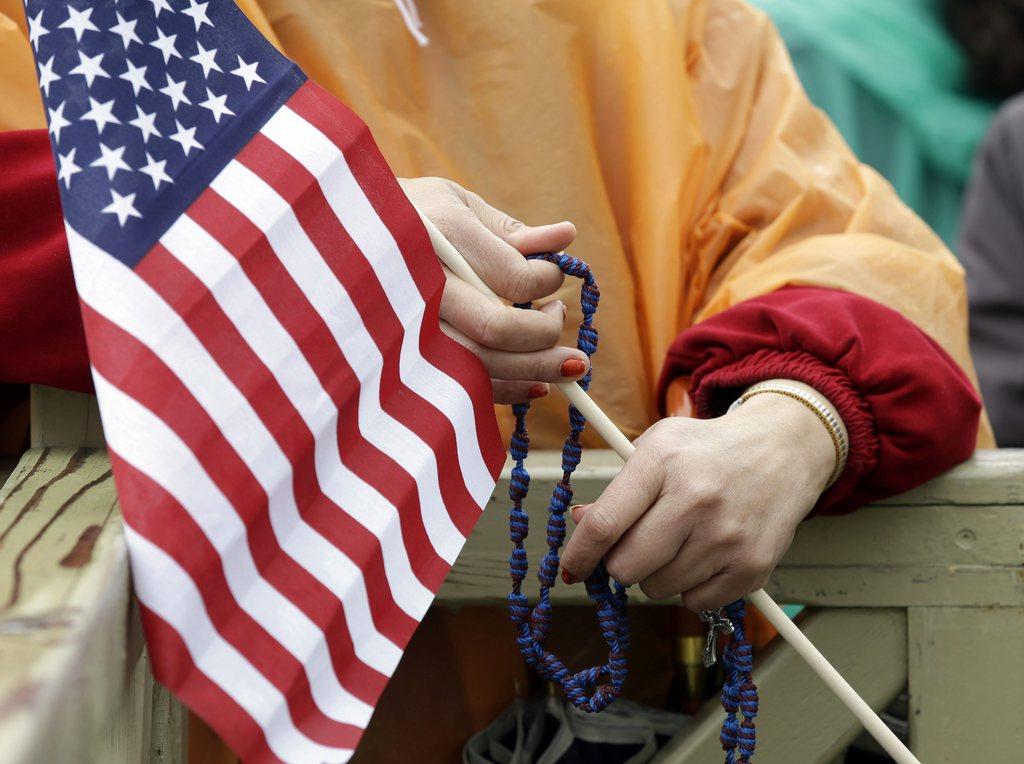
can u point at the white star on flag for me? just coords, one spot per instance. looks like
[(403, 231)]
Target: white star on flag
[(67, 166), (57, 122), (165, 44), (47, 76), (136, 75), (161, 5), (111, 160), (205, 58), (126, 30), (101, 113), (79, 21), (176, 92), (186, 137), (89, 67), (146, 123), (155, 170), (122, 206), (248, 73), (217, 105), (198, 13), (36, 30)]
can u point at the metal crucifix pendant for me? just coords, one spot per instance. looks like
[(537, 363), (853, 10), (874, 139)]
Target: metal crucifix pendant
[(717, 623)]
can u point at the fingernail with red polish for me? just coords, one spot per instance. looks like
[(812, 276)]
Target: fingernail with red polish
[(573, 367), (568, 577), (537, 391)]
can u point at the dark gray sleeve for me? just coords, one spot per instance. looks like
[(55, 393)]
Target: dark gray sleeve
[(992, 250)]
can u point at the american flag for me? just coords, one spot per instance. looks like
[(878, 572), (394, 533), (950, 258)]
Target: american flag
[(299, 451)]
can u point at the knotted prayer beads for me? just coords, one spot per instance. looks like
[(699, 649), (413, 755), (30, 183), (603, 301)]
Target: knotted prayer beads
[(592, 689), (739, 693)]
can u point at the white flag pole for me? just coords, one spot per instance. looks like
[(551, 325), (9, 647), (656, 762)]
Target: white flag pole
[(885, 737)]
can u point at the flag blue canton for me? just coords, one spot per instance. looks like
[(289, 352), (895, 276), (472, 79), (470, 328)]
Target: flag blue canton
[(147, 100)]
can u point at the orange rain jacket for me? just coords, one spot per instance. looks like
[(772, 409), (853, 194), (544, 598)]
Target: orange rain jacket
[(674, 134)]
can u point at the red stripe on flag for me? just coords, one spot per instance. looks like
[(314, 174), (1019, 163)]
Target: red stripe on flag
[(137, 371), (179, 287), (353, 138), (249, 246), (301, 190), (191, 549), (173, 666)]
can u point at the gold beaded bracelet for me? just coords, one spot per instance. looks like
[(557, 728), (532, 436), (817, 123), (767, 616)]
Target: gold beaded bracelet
[(818, 408)]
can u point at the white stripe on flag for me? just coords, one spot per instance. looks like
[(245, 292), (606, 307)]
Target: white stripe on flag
[(142, 439), (245, 307), (258, 202), (325, 161), (167, 590), (116, 292)]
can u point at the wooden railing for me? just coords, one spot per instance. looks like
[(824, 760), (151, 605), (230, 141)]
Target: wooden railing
[(75, 685), (925, 590)]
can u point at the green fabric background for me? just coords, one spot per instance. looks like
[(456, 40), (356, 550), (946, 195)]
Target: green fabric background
[(893, 81)]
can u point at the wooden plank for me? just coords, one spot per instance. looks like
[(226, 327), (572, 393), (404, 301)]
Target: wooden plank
[(63, 605), (127, 739), (64, 418), (912, 536), (892, 586), (990, 477), (169, 731), (966, 693), (799, 719)]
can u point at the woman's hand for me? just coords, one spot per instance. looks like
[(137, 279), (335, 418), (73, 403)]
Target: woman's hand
[(706, 508), (519, 347)]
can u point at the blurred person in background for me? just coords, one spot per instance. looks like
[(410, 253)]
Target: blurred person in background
[(991, 243)]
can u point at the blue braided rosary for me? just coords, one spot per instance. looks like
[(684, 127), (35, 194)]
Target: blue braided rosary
[(739, 693), (592, 689)]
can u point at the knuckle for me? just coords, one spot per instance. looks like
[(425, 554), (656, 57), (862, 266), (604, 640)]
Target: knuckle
[(600, 525), (510, 225), (730, 533), (492, 329), (519, 287), (704, 493)]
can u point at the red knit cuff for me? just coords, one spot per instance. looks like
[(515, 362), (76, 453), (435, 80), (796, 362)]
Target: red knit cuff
[(713, 390), (911, 412)]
